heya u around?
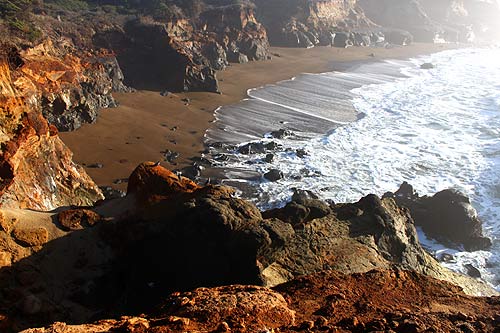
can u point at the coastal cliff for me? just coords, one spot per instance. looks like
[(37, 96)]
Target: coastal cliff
[(37, 171)]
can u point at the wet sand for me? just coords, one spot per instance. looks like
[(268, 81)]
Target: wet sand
[(146, 124)]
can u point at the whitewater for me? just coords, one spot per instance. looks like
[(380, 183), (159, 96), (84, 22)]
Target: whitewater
[(436, 129)]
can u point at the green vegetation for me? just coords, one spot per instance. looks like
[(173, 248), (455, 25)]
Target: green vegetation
[(15, 14)]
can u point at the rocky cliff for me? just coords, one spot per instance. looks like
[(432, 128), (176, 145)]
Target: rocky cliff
[(37, 171), (168, 235), (306, 23)]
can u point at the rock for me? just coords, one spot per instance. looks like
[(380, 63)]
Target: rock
[(75, 219), (301, 153), (5, 259), (30, 237), (342, 39), (273, 175), (269, 158), (258, 147), (281, 133), (170, 156), (472, 271), (427, 65), (398, 37), (243, 306), (150, 180), (447, 216), (37, 168)]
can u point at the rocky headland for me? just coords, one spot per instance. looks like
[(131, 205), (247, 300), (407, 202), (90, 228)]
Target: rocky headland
[(175, 256)]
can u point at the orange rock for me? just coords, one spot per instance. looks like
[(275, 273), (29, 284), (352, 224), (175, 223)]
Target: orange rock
[(150, 182), (75, 219), (36, 168)]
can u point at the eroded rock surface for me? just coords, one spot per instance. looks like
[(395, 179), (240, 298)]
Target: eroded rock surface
[(36, 168)]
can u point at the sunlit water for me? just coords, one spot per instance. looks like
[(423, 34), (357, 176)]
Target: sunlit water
[(436, 129)]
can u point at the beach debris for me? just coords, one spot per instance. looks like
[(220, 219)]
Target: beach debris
[(371, 55), (186, 101), (174, 128), (273, 175), (165, 93), (427, 65)]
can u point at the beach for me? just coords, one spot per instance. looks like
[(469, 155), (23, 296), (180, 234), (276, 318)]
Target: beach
[(147, 125)]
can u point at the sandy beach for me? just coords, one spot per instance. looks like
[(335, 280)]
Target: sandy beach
[(146, 124)]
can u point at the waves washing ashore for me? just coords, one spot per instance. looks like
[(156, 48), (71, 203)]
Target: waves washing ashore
[(436, 129)]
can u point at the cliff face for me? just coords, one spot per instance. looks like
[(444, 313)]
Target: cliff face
[(305, 23), (69, 86), (183, 54), (37, 171)]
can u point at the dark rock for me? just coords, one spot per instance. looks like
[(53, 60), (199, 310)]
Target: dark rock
[(273, 175), (472, 271), (170, 156), (281, 133), (302, 196), (427, 65), (342, 39), (398, 37), (216, 55), (269, 158), (258, 148), (301, 153), (448, 216)]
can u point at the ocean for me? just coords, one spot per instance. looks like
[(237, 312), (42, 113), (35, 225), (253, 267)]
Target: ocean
[(366, 130)]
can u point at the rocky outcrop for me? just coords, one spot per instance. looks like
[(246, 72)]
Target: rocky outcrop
[(126, 255), (36, 168), (69, 86), (183, 54), (408, 15), (306, 23), (376, 301), (447, 216)]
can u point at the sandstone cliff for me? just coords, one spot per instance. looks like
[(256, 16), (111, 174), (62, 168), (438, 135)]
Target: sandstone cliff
[(37, 171)]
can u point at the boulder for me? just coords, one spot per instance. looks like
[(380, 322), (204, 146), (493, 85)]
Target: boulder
[(273, 175), (448, 216), (30, 237), (75, 219)]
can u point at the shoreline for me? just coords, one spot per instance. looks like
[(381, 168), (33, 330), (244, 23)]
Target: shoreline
[(148, 126)]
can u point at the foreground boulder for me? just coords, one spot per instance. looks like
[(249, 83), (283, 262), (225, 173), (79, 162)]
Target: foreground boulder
[(448, 216)]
